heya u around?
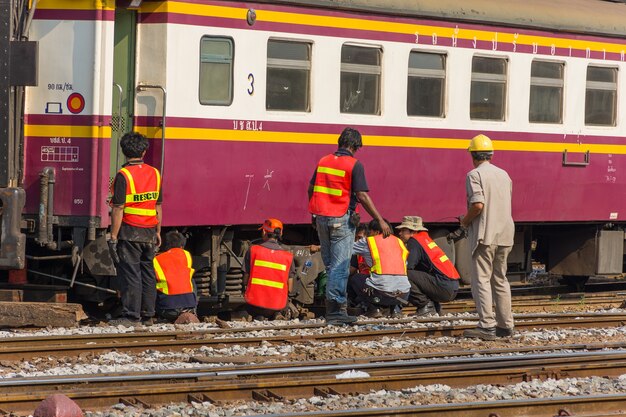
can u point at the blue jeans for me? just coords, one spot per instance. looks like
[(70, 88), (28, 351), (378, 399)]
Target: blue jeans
[(336, 236)]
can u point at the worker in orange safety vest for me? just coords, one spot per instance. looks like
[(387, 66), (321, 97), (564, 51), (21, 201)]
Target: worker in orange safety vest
[(176, 293), (136, 231), (432, 275), (269, 271), (387, 285)]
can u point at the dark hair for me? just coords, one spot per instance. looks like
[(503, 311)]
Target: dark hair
[(362, 228), (375, 226), (482, 156), (350, 138), (134, 144), (174, 239)]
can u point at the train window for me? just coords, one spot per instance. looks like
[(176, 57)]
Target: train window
[(488, 89), (216, 71), (601, 96), (288, 75), (360, 79), (546, 92), (426, 87)]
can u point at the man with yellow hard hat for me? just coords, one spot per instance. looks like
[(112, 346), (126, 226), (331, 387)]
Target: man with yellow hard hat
[(489, 226)]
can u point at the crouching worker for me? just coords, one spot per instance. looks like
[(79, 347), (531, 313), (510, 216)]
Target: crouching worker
[(269, 272), (387, 286), (175, 290), (433, 277)]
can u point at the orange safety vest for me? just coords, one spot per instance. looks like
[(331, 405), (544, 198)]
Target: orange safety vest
[(268, 285), (333, 186), (436, 255), (174, 272), (143, 184), (388, 255)]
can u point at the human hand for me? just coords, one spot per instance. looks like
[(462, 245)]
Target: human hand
[(458, 234), (158, 240), (314, 248), (386, 229)]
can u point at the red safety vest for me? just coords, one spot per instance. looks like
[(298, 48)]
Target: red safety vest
[(437, 255), (174, 272), (143, 184), (362, 266), (268, 285), (333, 186), (388, 255)]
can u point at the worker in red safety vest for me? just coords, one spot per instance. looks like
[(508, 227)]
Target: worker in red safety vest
[(432, 275), (338, 184), (176, 293), (387, 285), (136, 231), (269, 272)]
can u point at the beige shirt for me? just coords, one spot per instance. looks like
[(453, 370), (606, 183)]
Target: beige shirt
[(493, 187)]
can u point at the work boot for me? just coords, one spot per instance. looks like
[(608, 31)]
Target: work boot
[(426, 310), (438, 308), (373, 312), (504, 332), (395, 312), (481, 333), (124, 321), (148, 321), (336, 314)]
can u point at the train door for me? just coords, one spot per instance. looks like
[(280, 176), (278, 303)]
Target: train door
[(123, 82)]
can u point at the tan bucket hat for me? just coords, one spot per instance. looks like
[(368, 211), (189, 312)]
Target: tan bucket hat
[(414, 223)]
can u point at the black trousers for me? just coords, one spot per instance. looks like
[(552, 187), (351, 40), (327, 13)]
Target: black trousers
[(365, 293), (137, 279), (426, 288)]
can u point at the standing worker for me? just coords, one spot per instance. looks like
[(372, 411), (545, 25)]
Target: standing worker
[(433, 277), (174, 274), (269, 272), (489, 225), (338, 184), (135, 230)]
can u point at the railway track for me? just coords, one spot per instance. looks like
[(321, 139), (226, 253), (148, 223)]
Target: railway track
[(24, 348), (286, 381)]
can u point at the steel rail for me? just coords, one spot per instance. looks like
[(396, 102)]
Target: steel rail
[(301, 381), (23, 348)]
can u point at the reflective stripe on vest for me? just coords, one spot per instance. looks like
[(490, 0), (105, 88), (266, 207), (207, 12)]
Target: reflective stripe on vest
[(269, 277), (143, 184), (174, 273), (333, 185), (388, 255), (437, 256)]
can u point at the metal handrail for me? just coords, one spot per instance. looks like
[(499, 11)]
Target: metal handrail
[(119, 124), (144, 87)]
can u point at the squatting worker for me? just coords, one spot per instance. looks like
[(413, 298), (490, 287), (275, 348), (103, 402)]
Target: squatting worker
[(489, 225), (135, 230), (176, 293), (387, 285), (433, 277), (269, 272), (338, 184)]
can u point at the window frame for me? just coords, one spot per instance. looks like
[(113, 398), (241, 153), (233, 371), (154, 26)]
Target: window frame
[(231, 62), (363, 69), (434, 74), (290, 64), (491, 78), (601, 86), (548, 82)]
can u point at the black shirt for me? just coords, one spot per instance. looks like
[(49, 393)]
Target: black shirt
[(127, 231), (359, 182)]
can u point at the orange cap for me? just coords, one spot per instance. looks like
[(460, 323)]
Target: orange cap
[(270, 225)]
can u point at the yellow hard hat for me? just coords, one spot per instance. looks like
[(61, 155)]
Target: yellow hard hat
[(480, 143)]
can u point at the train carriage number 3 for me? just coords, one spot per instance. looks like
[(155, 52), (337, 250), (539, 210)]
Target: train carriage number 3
[(251, 88)]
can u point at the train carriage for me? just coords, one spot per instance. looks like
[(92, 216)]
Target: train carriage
[(240, 100)]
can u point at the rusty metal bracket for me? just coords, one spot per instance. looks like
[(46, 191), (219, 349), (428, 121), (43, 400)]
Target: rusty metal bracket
[(325, 392), (200, 398), (563, 412), (134, 402), (266, 396)]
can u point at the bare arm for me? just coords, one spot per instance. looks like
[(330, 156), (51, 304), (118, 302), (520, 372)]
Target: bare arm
[(116, 221), (369, 206), (472, 212), (310, 191)]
